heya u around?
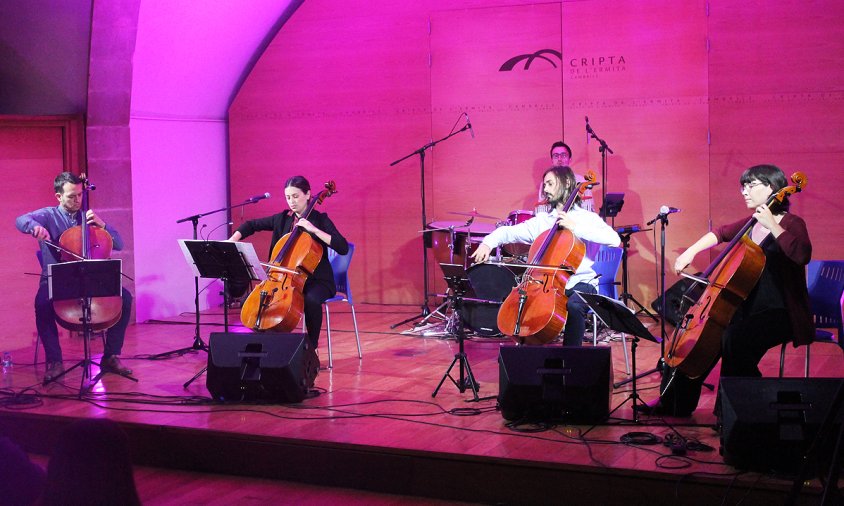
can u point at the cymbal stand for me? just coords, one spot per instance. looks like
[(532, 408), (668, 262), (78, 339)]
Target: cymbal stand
[(447, 304)]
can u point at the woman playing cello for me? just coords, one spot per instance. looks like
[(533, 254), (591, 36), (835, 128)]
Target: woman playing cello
[(558, 183), (319, 286), (776, 310)]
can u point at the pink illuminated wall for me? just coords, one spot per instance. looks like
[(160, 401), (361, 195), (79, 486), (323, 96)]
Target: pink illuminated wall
[(704, 90), (687, 94)]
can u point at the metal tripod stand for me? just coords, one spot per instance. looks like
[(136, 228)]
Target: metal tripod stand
[(459, 285), (625, 296)]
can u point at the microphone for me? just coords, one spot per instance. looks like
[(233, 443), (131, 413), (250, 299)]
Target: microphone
[(256, 198), (664, 211), (588, 130), (629, 229), (218, 226), (469, 124)]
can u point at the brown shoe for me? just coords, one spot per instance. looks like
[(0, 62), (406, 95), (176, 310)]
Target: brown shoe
[(112, 364), (54, 370)]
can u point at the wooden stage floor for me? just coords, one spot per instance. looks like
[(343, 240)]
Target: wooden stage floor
[(375, 427)]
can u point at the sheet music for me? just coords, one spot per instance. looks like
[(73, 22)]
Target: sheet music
[(245, 249)]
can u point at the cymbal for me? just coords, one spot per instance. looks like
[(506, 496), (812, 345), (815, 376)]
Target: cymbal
[(475, 214)]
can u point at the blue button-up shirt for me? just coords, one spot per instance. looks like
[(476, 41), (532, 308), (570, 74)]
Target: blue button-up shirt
[(56, 220)]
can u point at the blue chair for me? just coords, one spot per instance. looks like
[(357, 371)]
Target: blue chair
[(340, 265), (825, 281), (607, 263)]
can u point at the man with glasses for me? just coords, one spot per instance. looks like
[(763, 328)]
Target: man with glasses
[(561, 157)]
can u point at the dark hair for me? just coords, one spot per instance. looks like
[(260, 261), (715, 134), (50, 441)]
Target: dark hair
[(21, 481), (91, 465), (65, 177), (560, 144), (298, 182), (566, 176), (770, 175)]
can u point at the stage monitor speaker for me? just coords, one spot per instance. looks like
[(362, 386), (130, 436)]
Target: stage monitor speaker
[(271, 367), (673, 299), (552, 383), (769, 423)]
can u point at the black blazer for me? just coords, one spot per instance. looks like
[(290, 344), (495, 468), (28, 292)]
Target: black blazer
[(281, 224)]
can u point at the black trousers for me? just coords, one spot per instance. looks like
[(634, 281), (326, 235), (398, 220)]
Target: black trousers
[(315, 294), (743, 345), (577, 311), (48, 332)]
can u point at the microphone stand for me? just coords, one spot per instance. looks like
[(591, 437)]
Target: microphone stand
[(421, 152), (604, 149), (198, 343), (660, 364)]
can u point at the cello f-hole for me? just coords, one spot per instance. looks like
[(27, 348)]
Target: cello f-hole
[(702, 315)]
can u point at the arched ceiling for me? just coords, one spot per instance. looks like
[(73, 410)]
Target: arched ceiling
[(190, 57), (44, 56)]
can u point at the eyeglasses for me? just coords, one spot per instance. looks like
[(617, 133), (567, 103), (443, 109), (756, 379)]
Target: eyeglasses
[(560, 155), (749, 186)]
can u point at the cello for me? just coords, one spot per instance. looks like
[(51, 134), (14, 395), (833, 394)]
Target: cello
[(278, 302), (86, 242), (535, 310), (729, 279)]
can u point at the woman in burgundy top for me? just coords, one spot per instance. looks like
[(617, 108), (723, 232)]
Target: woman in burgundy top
[(777, 309)]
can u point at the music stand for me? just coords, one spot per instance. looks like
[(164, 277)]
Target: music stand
[(457, 280), (621, 318), (624, 233), (612, 206), (82, 280), (225, 260)]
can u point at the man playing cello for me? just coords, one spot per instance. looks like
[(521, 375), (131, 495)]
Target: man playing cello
[(49, 223), (558, 183)]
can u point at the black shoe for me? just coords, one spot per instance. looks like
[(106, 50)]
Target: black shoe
[(659, 409), (654, 409), (54, 370), (112, 364)]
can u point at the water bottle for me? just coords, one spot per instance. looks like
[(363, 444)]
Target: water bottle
[(7, 360)]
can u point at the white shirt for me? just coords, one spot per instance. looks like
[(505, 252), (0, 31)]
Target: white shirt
[(590, 229)]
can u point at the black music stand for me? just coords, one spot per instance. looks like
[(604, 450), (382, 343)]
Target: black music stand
[(83, 280), (612, 206), (457, 280), (621, 318), (198, 344), (225, 260)]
